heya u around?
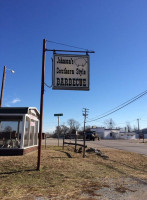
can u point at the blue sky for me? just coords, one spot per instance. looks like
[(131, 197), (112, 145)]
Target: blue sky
[(116, 30)]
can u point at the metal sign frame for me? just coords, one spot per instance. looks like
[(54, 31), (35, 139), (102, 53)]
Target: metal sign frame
[(42, 94), (68, 74)]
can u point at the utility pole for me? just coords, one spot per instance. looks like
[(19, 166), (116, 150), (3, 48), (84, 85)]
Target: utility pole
[(3, 83), (2, 88), (111, 124), (138, 125), (85, 114), (139, 130)]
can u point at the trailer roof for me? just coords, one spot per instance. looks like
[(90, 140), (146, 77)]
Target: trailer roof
[(18, 110)]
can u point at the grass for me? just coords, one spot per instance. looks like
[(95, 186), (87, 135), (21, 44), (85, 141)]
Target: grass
[(66, 175)]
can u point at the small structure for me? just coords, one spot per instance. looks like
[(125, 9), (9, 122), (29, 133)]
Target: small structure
[(90, 135), (127, 135), (116, 133), (141, 134), (99, 131), (19, 128), (104, 133)]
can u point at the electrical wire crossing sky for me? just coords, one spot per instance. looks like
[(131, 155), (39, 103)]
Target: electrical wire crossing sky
[(115, 30)]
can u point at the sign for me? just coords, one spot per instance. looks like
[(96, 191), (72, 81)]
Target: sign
[(60, 114), (32, 123), (71, 72)]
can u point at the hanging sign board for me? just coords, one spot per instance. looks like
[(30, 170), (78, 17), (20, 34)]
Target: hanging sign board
[(71, 72)]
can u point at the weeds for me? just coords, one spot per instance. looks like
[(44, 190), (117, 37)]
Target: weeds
[(66, 175)]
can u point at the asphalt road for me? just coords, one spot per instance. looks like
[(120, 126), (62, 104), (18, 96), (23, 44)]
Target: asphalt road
[(136, 146)]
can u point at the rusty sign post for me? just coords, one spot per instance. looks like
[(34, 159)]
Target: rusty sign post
[(41, 104), (75, 78)]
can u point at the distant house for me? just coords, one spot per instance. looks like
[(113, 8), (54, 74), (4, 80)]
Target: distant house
[(116, 133), (99, 131), (106, 133), (111, 133), (127, 135), (142, 133)]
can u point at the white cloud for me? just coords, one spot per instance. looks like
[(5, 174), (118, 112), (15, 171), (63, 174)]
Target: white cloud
[(15, 101)]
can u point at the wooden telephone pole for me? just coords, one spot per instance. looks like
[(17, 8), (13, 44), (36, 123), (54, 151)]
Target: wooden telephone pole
[(85, 110)]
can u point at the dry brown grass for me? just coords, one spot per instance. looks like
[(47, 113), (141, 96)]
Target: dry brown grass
[(66, 175)]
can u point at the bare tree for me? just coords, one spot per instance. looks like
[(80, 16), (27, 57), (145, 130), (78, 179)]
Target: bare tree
[(110, 124), (8, 129), (135, 129), (73, 124), (87, 128), (57, 131), (129, 128), (64, 129)]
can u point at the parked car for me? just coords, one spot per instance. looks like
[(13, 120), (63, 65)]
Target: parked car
[(141, 136), (90, 135)]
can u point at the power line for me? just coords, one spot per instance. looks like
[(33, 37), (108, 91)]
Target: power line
[(65, 45), (144, 120), (47, 85), (127, 121), (120, 106)]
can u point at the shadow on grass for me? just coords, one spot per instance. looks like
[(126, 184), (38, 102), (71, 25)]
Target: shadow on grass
[(137, 169), (62, 157), (124, 173), (68, 154), (17, 171), (59, 157)]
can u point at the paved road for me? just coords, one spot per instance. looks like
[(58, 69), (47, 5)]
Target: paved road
[(136, 146)]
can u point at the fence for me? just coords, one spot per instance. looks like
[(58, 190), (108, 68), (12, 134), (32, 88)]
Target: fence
[(76, 144)]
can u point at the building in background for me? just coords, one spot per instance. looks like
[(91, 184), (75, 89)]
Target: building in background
[(116, 133), (142, 134)]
